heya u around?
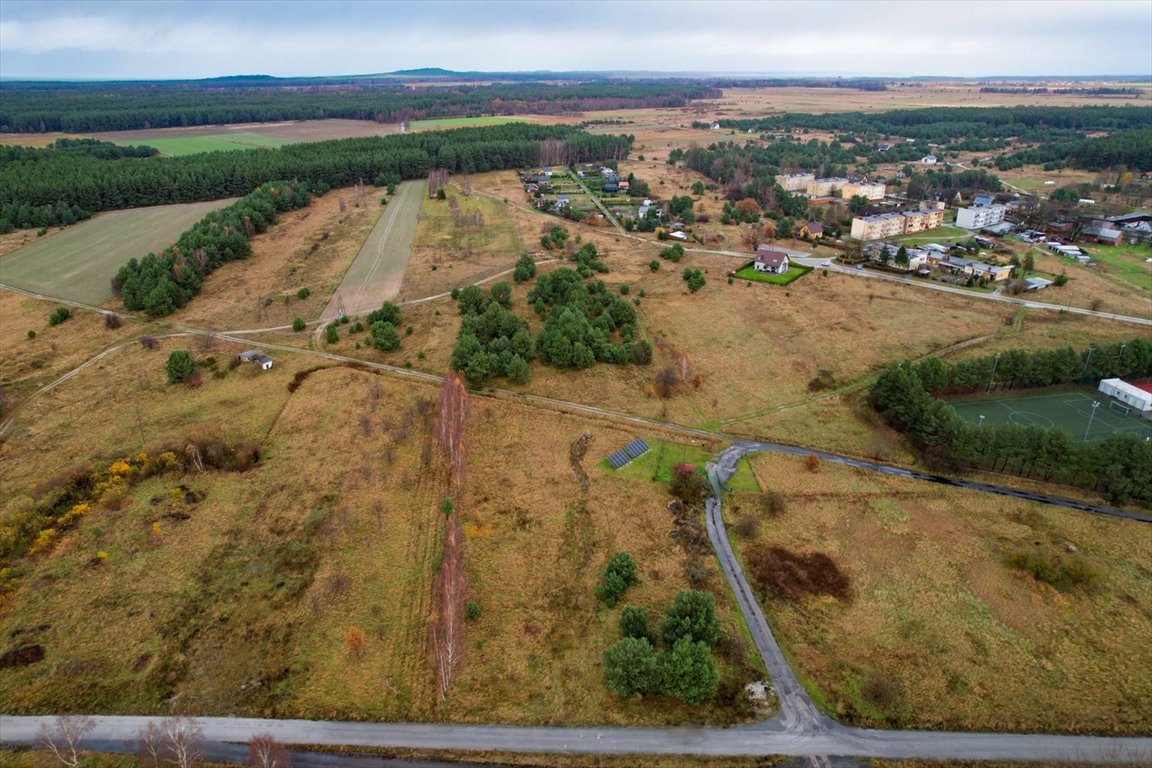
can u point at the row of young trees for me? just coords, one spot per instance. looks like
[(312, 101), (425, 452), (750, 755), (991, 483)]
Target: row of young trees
[(37, 181), (90, 107), (159, 284), (1022, 369), (1118, 467)]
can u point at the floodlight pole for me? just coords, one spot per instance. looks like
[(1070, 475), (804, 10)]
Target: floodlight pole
[(993, 377), (981, 424), (1091, 415), (1086, 361)]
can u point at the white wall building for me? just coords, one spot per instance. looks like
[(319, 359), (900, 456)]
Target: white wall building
[(979, 216), (795, 182), (1133, 397)]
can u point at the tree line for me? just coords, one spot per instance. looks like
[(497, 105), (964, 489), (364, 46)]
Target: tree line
[(40, 187), (945, 124), (92, 107), (160, 284), (1130, 148), (1118, 467)]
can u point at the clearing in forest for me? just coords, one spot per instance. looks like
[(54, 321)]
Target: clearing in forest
[(78, 263), (378, 271)]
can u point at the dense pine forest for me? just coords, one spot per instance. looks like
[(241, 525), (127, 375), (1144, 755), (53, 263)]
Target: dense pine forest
[(943, 125), (93, 107), (43, 187)]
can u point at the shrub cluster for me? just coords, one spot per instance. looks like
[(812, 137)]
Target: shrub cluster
[(685, 670), (618, 576)]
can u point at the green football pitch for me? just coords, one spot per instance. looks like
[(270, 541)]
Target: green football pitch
[(1070, 410)]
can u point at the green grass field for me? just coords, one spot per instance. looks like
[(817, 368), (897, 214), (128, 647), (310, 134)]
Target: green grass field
[(657, 464), (1070, 410), (224, 142), (748, 272), (78, 263), (378, 271), (1125, 262), (438, 225), (461, 122), (934, 236)]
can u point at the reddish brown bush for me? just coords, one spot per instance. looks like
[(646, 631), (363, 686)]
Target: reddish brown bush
[(791, 576), (812, 462)]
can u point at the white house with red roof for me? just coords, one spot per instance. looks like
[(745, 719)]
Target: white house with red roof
[(770, 260)]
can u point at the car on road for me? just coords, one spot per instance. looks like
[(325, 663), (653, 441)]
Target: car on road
[(859, 266)]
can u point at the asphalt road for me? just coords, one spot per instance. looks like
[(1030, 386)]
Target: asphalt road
[(769, 738)]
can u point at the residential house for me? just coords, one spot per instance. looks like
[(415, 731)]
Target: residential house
[(795, 182), (624, 185), (681, 236), (991, 272), (715, 126), (770, 260), (928, 160), (562, 201), (883, 147), (983, 199), (978, 217), (811, 229), (917, 257), (932, 205)]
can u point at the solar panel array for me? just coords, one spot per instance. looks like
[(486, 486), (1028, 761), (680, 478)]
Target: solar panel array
[(635, 448)]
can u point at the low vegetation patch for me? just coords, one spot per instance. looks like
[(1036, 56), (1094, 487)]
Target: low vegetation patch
[(793, 576), (1063, 572)]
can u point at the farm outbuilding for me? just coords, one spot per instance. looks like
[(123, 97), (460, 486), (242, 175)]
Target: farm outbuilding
[(256, 356), (1128, 394)]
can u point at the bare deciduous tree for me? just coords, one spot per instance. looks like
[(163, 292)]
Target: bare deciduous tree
[(182, 737), (265, 752), (150, 740), (62, 738)]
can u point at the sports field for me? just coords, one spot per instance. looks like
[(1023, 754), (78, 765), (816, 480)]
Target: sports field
[(78, 262), (223, 142), (1069, 410), (378, 271)]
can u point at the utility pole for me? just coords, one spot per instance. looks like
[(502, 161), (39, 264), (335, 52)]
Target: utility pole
[(1091, 415), (991, 380), (1086, 362)]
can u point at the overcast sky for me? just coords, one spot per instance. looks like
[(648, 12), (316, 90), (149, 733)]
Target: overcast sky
[(208, 38)]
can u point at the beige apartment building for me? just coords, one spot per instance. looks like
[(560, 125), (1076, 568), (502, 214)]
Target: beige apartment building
[(826, 187), (795, 182), (891, 224), (873, 190)]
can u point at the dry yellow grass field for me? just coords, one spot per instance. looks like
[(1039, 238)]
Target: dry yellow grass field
[(962, 640), (27, 364), (260, 291), (244, 605)]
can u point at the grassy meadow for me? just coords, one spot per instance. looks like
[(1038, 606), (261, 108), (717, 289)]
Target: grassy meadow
[(221, 142), (79, 262), (939, 631), (242, 599)]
